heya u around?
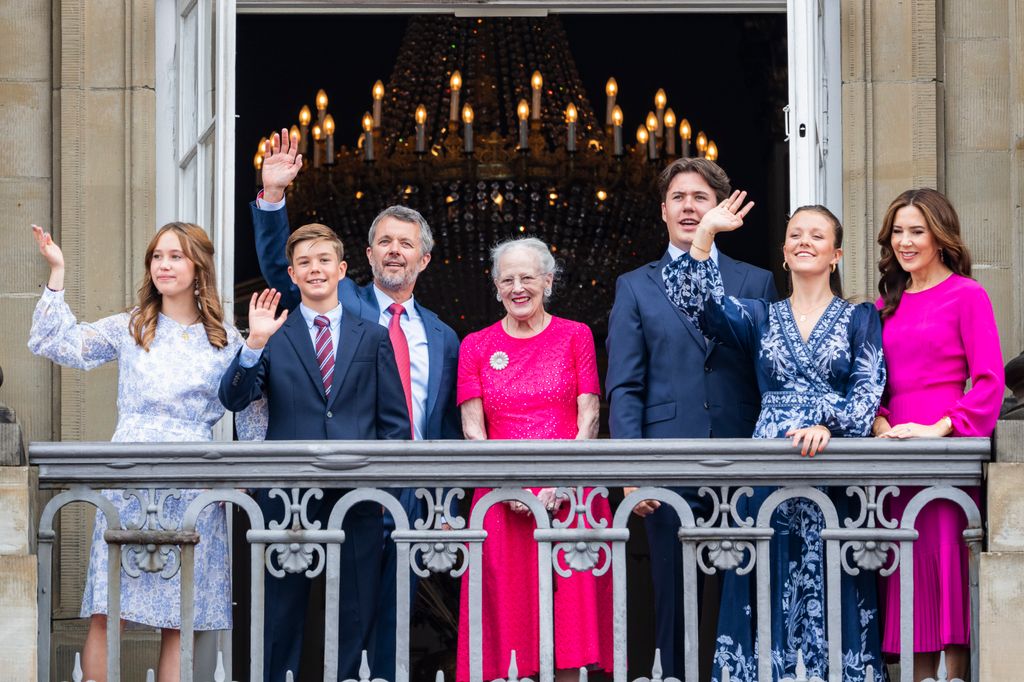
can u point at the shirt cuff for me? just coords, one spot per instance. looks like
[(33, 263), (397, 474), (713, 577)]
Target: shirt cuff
[(264, 205), (52, 294), (249, 357)]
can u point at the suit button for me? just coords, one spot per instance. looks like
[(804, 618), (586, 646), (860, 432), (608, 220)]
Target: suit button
[(330, 415), (707, 405), (707, 368)]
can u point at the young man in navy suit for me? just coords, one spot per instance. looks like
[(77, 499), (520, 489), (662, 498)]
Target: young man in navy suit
[(400, 242), (327, 375), (665, 380)]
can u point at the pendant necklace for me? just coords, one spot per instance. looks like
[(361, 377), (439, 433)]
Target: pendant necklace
[(802, 317)]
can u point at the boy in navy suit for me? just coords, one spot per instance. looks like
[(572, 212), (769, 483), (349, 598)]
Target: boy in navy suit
[(665, 380), (327, 374)]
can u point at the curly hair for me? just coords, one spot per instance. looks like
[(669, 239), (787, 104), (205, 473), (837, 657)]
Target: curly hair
[(198, 248), (944, 225)]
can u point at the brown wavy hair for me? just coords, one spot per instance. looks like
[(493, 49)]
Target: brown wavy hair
[(198, 248), (944, 225)]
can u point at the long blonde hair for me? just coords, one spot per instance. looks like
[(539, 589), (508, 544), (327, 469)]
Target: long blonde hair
[(198, 248)]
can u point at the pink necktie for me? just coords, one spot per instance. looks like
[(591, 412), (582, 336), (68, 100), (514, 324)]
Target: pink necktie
[(401, 346), (324, 351)]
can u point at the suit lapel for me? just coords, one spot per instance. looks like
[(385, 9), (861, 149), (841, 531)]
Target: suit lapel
[(435, 351), (297, 333), (349, 334), (733, 276), (654, 272)]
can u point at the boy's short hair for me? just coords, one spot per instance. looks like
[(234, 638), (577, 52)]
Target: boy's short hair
[(707, 169), (313, 232)]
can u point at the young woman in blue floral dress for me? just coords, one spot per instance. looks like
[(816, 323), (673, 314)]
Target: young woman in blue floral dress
[(819, 365), (171, 350)]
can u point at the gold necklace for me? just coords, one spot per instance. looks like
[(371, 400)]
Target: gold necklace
[(184, 328), (803, 316)]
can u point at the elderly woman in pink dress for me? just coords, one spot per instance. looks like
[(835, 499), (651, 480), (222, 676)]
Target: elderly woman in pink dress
[(938, 332), (529, 376)]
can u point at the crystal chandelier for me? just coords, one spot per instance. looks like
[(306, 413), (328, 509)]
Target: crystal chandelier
[(485, 128)]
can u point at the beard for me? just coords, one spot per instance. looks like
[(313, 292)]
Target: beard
[(392, 282)]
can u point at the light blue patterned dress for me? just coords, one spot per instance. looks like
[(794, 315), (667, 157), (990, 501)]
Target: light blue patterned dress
[(836, 379), (166, 394)]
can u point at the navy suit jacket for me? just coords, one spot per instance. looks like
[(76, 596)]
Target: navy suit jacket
[(367, 401), (665, 380), (442, 419)]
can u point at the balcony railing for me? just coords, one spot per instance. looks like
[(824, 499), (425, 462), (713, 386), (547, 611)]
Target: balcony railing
[(444, 542)]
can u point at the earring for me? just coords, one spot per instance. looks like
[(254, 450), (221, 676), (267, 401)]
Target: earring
[(834, 267), (547, 291), (942, 255), (497, 297), (785, 265), (195, 292)]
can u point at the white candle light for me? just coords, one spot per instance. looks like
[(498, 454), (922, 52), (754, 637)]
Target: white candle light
[(536, 82)]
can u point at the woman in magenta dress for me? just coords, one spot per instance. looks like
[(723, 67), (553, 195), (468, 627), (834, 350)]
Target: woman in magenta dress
[(531, 375), (938, 332)]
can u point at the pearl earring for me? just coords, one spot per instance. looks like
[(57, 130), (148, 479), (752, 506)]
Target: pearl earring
[(547, 291), (195, 291), (497, 297)]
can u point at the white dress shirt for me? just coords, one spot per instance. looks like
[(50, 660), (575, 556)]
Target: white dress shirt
[(250, 357), (673, 250)]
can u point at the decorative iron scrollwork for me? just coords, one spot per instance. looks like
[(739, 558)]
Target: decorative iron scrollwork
[(151, 557)]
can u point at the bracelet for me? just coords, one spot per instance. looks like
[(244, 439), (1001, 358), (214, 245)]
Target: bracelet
[(949, 423), (693, 245)]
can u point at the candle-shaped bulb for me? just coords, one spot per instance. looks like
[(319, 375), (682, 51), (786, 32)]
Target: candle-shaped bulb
[(684, 130), (456, 81), (617, 115), (317, 132), (321, 100), (257, 161), (378, 91), (305, 115), (536, 81), (367, 122), (642, 135), (611, 88), (702, 142), (523, 110), (712, 152), (263, 145), (467, 114), (660, 99), (652, 121), (670, 118), (421, 114), (294, 134), (329, 125), (571, 113)]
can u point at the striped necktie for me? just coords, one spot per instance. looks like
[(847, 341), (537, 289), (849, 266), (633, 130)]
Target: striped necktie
[(324, 351)]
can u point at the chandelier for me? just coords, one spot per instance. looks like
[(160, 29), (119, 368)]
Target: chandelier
[(485, 128)]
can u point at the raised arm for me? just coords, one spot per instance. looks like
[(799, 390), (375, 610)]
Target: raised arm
[(55, 333), (270, 224)]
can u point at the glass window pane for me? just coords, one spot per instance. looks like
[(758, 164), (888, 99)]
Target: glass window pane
[(187, 86), (187, 192), (206, 185), (208, 55)]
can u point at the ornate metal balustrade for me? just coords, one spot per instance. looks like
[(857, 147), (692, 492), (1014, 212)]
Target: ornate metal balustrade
[(867, 471)]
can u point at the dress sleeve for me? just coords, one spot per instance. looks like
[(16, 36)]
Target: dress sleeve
[(695, 287), (851, 414), (585, 361), (469, 382), (251, 423), (883, 408), (58, 336), (977, 412)]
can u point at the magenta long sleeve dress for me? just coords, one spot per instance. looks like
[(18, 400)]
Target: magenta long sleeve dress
[(935, 341), (532, 396)]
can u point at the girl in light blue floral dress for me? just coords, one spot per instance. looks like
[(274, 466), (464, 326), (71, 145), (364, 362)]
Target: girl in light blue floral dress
[(818, 360), (171, 350)]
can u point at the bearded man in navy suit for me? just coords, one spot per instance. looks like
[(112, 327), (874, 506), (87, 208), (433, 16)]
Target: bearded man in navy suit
[(665, 380), (400, 242)]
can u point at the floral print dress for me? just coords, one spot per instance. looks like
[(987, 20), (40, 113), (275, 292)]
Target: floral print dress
[(835, 378), (166, 394)]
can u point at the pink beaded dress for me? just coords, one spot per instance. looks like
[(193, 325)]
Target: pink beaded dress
[(533, 396), (935, 341)]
